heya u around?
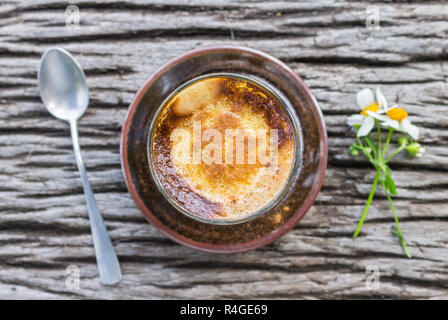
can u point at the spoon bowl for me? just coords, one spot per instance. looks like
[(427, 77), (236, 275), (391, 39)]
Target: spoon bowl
[(62, 85)]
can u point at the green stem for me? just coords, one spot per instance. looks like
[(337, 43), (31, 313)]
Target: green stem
[(379, 163), (400, 235), (379, 138), (398, 150), (370, 143), (359, 140), (369, 200), (391, 130)]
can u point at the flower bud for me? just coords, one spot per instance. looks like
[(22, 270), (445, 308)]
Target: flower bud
[(353, 151), (415, 149)]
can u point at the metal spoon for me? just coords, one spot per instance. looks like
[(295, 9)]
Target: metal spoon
[(63, 89)]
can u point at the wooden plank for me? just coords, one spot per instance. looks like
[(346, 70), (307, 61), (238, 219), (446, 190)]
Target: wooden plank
[(43, 222)]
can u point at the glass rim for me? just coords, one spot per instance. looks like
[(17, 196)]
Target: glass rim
[(298, 149)]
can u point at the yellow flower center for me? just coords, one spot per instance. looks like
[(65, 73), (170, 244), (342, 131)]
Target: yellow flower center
[(373, 107), (397, 114)]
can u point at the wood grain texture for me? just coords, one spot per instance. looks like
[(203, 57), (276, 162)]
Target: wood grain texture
[(43, 222)]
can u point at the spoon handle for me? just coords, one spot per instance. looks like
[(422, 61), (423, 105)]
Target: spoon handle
[(106, 258)]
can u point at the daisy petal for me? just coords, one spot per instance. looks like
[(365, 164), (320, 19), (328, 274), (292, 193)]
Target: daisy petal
[(366, 127), (422, 151), (381, 99), (382, 111), (407, 127), (384, 119), (365, 98), (355, 119), (392, 123), (377, 116)]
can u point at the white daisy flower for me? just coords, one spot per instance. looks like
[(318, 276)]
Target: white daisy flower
[(372, 105), (398, 119)]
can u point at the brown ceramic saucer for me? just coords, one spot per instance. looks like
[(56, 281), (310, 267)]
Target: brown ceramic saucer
[(223, 238)]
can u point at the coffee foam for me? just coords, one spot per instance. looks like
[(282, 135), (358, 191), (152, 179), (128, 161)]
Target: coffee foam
[(222, 103)]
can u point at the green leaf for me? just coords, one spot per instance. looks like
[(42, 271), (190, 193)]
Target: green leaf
[(391, 184), (385, 185), (389, 181)]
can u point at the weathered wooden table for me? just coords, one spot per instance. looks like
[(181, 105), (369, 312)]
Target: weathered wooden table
[(43, 221)]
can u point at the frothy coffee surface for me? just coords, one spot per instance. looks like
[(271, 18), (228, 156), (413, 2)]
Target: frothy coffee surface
[(208, 112)]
